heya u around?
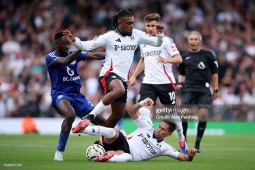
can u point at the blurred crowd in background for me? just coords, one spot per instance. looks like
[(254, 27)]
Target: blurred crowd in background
[(27, 29)]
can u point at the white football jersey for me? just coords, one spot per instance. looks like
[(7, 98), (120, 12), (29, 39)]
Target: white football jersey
[(120, 49), (144, 146), (156, 72)]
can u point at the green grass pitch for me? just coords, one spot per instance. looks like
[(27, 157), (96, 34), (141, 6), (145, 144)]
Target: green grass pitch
[(232, 151)]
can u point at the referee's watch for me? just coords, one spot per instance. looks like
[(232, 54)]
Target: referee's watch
[(215, 90)]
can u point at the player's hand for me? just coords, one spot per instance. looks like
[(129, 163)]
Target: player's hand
[(215, 95), (191, 152), (146, 102), (160, 29), (179, 86), (69, 36), (162, 60), (131, 81)]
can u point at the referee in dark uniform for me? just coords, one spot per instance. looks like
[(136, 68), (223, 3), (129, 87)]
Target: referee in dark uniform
[(199, 66)]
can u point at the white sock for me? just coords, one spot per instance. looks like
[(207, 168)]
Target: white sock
[(178, 122), (100, 131), (124, 157), (146, 114), (98, 109)]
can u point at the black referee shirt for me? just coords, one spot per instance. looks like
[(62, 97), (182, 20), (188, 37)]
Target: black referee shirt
[(197, 67)]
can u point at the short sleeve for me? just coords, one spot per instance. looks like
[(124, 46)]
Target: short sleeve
[(213, 63)]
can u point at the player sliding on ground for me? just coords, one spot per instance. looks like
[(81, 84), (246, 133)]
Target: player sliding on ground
[(143, 144)]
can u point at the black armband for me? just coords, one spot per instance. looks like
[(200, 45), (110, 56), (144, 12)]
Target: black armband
[(180, 83)]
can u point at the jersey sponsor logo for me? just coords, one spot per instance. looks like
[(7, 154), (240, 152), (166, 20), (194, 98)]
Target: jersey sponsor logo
[(71, 78), (148, 135), (152, 53), (201, 65), (118, 40), (187, 58), (125, 47), (147, 145)]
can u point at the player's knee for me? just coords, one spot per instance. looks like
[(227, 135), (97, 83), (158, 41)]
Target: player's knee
[(202, 114), (119, 92), (70, 117)]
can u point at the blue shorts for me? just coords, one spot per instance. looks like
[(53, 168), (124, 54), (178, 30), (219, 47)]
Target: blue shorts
[(79, 103)]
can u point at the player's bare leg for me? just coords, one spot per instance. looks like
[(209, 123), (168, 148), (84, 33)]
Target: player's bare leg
[(115, 90), (117, 113), (68, 112)]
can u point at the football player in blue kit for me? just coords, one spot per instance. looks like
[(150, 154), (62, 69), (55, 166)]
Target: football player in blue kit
[(67, 100)]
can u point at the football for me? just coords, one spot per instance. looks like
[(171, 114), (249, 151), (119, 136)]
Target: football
[(94, 150)]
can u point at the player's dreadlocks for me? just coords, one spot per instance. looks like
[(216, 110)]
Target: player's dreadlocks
[(119, 15)]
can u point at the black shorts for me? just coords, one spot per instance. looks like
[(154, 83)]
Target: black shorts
[(104, 81), (199, 99), (165, 92), (119, 144)]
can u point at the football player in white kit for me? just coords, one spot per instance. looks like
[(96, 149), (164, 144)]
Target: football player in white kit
[(159, 81), (120, 45), (144, 143)]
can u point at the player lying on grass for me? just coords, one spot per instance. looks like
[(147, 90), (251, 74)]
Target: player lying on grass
[(143, 144)]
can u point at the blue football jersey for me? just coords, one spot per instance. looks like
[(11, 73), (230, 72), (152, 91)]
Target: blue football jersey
[(64, 78)]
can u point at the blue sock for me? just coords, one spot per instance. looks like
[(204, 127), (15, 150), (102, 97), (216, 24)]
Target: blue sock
[(62, 142), (120, 124)]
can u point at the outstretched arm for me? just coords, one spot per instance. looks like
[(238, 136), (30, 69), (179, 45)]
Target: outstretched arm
[(69, 59), (85, 45), (133, 110), (96, 56), (191, 152)]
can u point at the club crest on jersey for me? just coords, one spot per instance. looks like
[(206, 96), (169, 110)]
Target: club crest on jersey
[(201, 65), (158, 145)]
